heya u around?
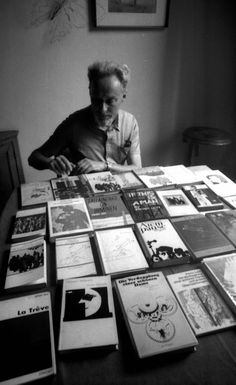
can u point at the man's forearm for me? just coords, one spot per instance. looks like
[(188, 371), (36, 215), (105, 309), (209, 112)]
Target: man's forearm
[(116, 168), (39, 161)]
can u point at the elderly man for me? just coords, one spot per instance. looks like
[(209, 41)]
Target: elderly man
[(100, 137)]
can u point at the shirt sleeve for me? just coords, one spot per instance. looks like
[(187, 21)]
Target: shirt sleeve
[(135, 141), (59, 140)]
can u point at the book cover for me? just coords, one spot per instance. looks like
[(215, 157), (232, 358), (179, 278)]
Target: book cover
[(222, 271), (27, 264), (154, 176), (154, 319), (226, 222), (119, 251), (203, 198), (176, 202), (201, 236), (161, 243), (87, 314), (181, 174), (74, 257), (219, 183), (102, 182), (230, 201), (202, 304), (68, 217), (144, 205), (127, 180), (27, 342), (35, 193), (108, 211), (70, 187), (29, 223)]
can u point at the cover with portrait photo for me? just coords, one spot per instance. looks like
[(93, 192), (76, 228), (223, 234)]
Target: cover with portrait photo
[(176, 202), (68, 217), (161, 243), (155, 321), (202, 304), (87, 314), (27, 341)]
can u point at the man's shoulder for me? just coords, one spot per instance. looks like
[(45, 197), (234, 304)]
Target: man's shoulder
[(126, 120), (83, 113)]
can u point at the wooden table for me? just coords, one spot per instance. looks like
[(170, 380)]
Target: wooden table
[(214, 362)]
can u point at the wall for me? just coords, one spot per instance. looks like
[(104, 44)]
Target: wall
[(42, 82)]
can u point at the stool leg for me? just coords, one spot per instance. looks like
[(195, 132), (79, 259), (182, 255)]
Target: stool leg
[(189, 155)]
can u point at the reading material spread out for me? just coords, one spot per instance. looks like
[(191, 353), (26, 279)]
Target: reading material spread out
[(201, 303), (87, 314), (154, 319), (27, 342)]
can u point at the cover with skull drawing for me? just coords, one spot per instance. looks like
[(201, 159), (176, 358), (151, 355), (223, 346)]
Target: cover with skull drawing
[(154, 319)]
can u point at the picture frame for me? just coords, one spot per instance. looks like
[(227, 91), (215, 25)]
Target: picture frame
[(132, 13)]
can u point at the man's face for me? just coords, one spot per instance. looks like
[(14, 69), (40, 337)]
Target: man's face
[(106, 95)]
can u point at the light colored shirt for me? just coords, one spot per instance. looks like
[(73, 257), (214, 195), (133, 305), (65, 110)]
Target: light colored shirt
[(80, 134)]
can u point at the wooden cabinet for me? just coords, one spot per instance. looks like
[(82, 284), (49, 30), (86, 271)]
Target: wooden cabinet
[(11, 171)]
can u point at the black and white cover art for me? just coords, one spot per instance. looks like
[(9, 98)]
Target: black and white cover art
[(82, 304)]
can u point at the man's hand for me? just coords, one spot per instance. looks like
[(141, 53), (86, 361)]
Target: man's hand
[(61, 165), (85, 166)]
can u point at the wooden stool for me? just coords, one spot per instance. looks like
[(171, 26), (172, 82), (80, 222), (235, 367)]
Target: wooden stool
[(195, 136)]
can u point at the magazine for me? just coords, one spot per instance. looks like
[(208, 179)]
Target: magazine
[(176, 202), (102, 182), (35, 193), (29, 224)]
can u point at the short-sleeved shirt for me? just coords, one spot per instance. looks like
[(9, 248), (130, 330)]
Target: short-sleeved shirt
[(80, 134)]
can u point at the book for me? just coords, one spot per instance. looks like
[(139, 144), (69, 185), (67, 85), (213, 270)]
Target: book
[(102, 182), (144, 205), (203, 198), (155, 321), (35, 193), (203, 306), (29, 223), (119, 251), (27, 264), (222, 271), (74, 257), (154, 176), (176, 202), (181, 174), (108, 211), (201, 236), (26, 333), (127, 180), (226, 222), (70, 187), (68, 217), (219, 183), (87, 314), (161, 243), (230, 201)]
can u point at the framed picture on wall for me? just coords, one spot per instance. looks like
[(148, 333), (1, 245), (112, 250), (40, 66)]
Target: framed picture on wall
[(132, 13)]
